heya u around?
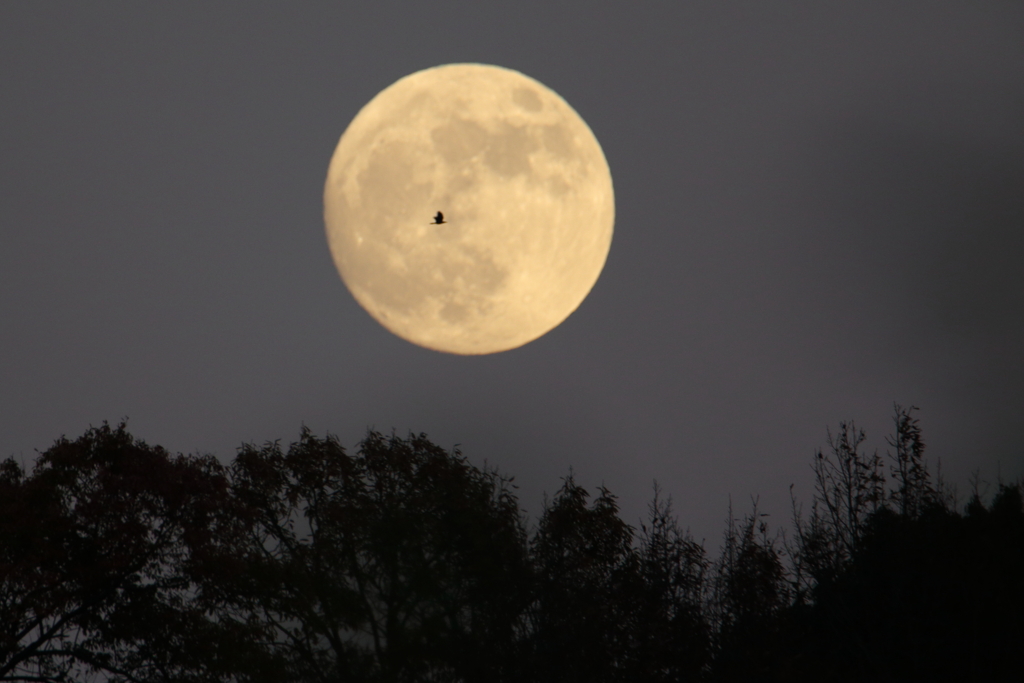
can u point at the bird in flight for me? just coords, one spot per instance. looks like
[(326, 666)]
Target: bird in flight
[(438, 219)]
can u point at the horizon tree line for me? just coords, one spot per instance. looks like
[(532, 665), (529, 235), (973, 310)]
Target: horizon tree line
[(403, 562)]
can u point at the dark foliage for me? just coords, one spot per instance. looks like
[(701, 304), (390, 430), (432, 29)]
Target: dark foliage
[(402, 562), (672, 637), (933, 597), (903, 587), (106, 551), (586, 574), (750, 592)]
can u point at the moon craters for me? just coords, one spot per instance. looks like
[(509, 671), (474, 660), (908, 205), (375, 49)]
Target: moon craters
[(523, 186)]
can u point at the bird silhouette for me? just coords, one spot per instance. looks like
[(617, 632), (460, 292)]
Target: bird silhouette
[(438, 219)]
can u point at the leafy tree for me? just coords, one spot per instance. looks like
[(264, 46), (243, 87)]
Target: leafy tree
[(936, 596), (849, 486), (672, 636), (849, 490), (587, 579), (913, 492), (104, 552), (401, 563), (750, 592), (898, 585)]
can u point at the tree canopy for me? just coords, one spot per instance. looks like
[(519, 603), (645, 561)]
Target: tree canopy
[(401, 562)]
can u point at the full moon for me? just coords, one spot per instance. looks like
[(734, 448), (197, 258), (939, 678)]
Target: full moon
[(525, 200)]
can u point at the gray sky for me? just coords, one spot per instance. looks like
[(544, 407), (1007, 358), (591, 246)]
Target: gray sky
[(820, 211)]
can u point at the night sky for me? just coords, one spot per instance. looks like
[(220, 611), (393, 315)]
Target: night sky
[(819, 211)]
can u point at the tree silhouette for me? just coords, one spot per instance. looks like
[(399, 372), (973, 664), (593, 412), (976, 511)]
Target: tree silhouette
[(750, 591), (849, 486), (673, 633), (914, 492), (104, 553), (402, 563), (587, 576), (901, 586), (932, 597)]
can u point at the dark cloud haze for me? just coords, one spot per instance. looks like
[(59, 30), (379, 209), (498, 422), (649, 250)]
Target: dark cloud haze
[(820, 211)]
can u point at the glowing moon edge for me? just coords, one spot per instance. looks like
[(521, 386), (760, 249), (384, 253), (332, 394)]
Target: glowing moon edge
[(526, 193)]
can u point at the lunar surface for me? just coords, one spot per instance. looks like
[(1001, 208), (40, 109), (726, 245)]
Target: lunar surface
[(527, 201)]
